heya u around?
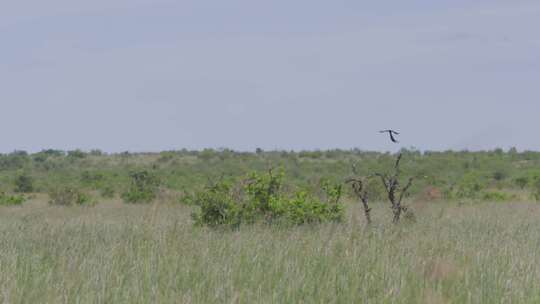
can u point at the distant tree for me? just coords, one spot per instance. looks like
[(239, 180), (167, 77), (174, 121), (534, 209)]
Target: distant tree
[(206, 154), (521, 182), (96, 152), (499, 175), (76, 154), (143, 188), (52, 152), (24, 183), (536, 193)]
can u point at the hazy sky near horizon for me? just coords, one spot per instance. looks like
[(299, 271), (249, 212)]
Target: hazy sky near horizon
[(149, 75)]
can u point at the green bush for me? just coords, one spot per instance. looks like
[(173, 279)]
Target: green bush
[(106, 191), (24, 183), (217, 206), (69, 196), (206, 154), (165, 157), (536, 193), (260, 198), (497, 196), (76, 154), (304, 208), (14, 161), (499, 175), (11, 200), (91, 178), (263, 191), (469, 187), (143, 188), (521, 182), (96, 152)]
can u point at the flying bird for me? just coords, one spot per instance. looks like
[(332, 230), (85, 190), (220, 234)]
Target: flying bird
[(391, 133)]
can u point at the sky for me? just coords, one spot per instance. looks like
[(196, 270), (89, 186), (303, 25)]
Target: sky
[(152, 75)]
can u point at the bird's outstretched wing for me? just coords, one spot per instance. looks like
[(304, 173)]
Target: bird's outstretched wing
[(391, 133), (392, 137)]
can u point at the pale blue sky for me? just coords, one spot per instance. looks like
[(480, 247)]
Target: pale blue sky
[(149, 75)]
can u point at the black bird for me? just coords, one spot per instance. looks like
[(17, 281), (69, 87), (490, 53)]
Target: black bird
[(391, 133)]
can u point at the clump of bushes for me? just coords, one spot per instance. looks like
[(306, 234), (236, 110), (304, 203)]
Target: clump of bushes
[(498, 196), (106, 191), (98, 181), (261, 198), (91, 177), (69, 196), (536, 189), (24, 183), (76, 154), (11, 200), (143, 188), (521, 182)]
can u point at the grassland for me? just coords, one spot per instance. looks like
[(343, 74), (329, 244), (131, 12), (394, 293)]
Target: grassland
[(115, 253), (476, 238)]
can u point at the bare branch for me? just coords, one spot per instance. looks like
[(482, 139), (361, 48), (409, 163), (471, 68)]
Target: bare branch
[(393, 189), (405, 189), (396, 166), (358, 186)]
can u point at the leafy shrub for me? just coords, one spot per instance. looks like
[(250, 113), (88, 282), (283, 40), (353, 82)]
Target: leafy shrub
[(96, 152), (14, 160), (24, 183), (69, 196), (165, 157), (304, 208), (536, 193), (107, 191), (217, 206), (260, 198), (52, 152), (92, 178), (76, 154), (11, 200), (497, 196), (46, 154), (311, 154), (143, 188), (39, 157), (469, 186), (499, 175), (521, 182), (206, 154), (263, 191)]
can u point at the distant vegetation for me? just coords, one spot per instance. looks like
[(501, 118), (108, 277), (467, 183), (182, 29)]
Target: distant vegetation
[(445, 175), (140, 177), (219, 226)]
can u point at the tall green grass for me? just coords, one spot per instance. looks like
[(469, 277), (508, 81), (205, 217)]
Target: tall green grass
[(114, 253)]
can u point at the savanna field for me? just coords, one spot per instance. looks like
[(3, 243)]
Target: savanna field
[(213, 227)]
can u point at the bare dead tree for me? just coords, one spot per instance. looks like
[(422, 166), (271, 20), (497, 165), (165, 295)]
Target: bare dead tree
[(395, 192), (360, 190)]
